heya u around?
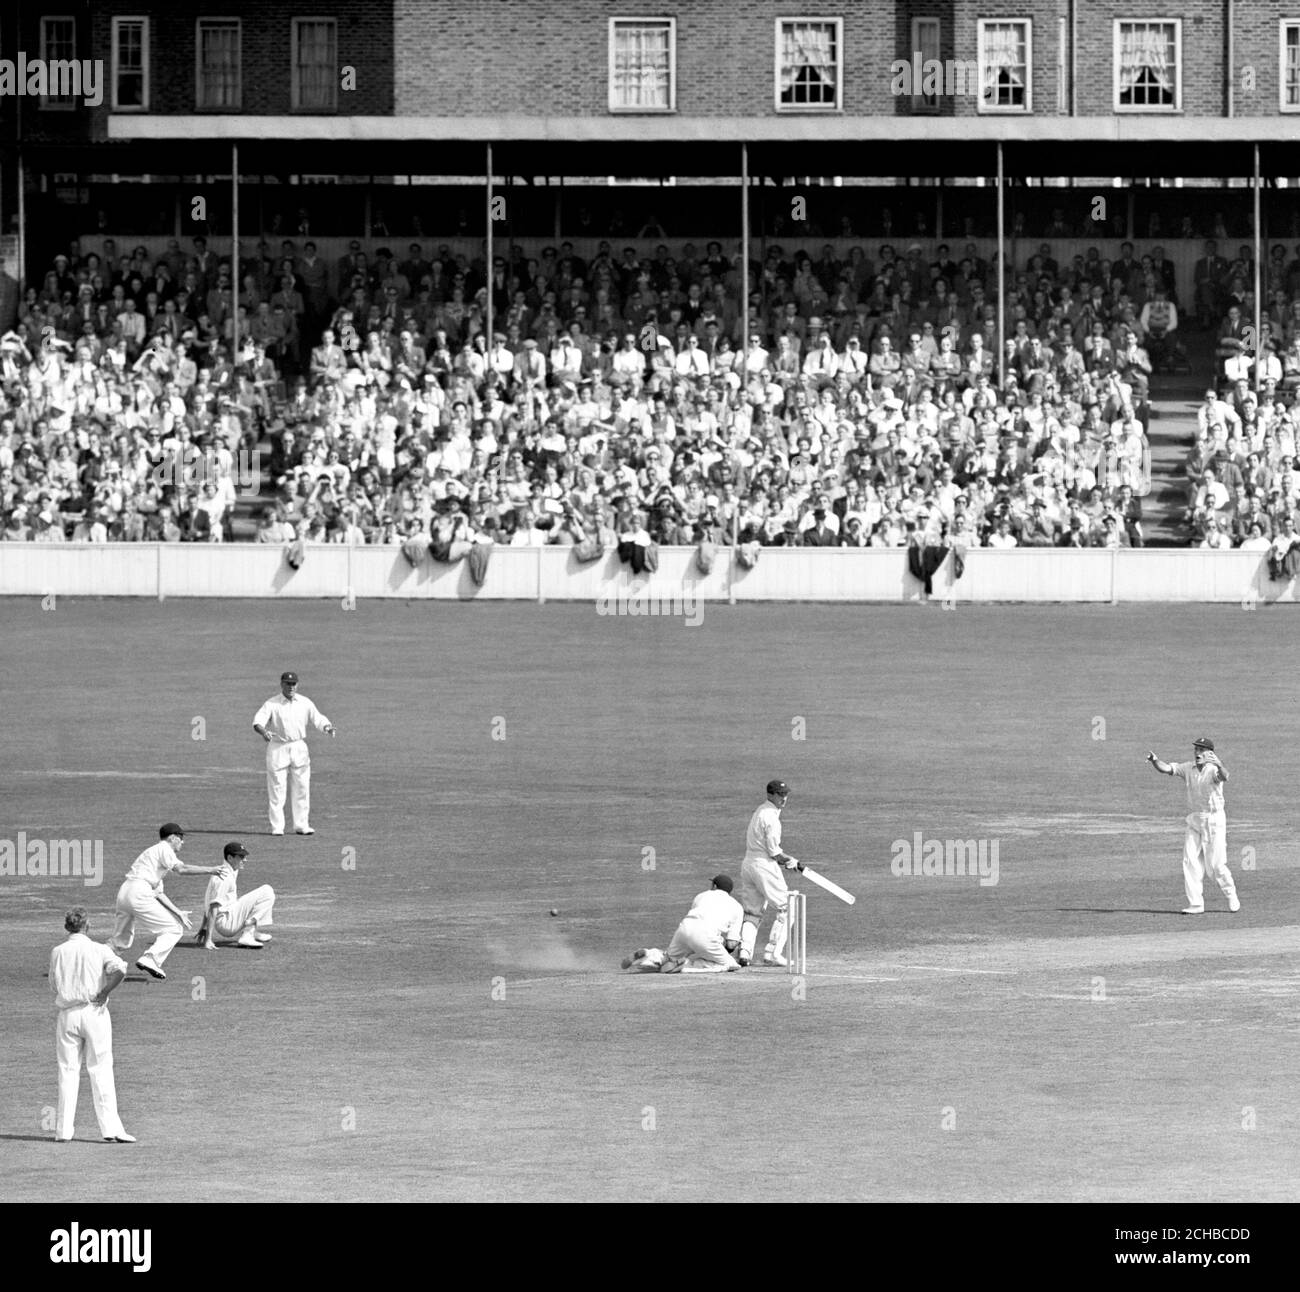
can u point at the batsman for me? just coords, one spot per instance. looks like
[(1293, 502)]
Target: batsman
[(761, 881), (1205, 847)]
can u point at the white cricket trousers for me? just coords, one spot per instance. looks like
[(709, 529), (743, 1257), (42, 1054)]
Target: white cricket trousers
[(1205, 848), (762, 885), (696, 941), (288, 761), (137, 907), (252, 908), (85, 1033)]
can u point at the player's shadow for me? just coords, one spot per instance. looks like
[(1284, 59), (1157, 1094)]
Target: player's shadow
[(229, 832), (33, 1139), (1119, 910)]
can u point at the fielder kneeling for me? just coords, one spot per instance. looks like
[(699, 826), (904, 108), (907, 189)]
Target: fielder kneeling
[(704, 940), (226, 914)]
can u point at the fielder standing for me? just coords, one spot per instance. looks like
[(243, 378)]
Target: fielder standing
[(1205, 847), (704, 940), (226, 914), (82, 975), (761, 882), (141, 900), (282, 722)]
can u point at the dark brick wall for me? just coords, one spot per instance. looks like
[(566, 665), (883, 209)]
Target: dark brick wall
[(365, 42)]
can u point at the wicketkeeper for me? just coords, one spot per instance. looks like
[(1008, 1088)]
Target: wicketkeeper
[(705, 941), (1205, 847)]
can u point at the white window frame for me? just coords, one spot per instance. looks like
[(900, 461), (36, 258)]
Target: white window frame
[(921, 106), (621, 20), (1063, 66), (1157, 109), (199, 105), (118, 21), (816, 108), (1008, 110), (1282, 27), (49, 104), (295, 92)]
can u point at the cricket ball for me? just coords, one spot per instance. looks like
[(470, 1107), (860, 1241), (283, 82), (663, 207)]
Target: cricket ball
[(555, 910)]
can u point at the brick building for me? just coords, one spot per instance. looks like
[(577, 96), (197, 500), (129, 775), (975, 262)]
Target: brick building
[(389, 92)]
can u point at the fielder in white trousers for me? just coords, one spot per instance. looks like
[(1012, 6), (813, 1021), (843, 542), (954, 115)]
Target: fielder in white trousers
[(1205, 844), (228, 915), (82, 974), (702, 940), (288, 766), (1205, 848), (140, 911), (283, 722)]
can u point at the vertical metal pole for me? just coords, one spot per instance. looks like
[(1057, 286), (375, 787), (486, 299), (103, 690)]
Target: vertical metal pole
[(559, 213), (236, 280), (1002, 277), (938, 213), (1259, 304), (488, 266), (744, 266)]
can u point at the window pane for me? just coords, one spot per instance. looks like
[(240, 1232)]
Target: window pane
[(1148, 65), (1005, 69), (316, 65), (809, 64), (219, 65), (58, 41), (642, 65), (130, 64), (927, 45), (1291, 67)]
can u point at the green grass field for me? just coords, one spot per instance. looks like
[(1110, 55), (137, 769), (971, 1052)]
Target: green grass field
[(422, 1028)]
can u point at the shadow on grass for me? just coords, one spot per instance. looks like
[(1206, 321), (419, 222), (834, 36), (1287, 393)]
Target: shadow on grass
[(1121, 910), (231, 832)]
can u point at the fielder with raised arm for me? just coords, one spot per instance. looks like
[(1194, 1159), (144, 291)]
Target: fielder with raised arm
[(704, 940), (761, 882), (282, 722), (1205, 846)]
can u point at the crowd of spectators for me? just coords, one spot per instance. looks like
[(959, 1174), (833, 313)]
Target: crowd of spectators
[(1243, 485), (614, 398)]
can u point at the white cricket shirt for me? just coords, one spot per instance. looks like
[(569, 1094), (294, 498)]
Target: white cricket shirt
[(77, 970), (1204, 789), (153, 863), (222, 890), (763, 838), (290, 718), (719, 911)]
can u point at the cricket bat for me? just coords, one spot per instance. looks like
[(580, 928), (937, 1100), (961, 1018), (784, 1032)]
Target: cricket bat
[(822, 882)]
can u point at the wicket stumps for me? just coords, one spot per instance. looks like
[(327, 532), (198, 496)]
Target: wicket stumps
[(797, 933)]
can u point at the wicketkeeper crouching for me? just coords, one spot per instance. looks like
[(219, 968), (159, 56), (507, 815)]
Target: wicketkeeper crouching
[(705, 941)]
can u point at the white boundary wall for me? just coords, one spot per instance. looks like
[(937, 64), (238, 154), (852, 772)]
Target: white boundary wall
[(163, 570)]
